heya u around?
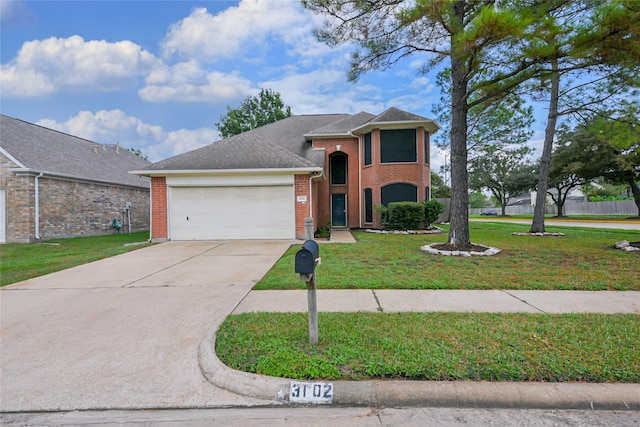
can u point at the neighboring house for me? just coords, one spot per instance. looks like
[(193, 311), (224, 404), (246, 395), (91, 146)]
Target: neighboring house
[(56, 185), (263, 183)]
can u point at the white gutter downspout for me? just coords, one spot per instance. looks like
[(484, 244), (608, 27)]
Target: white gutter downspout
[(312, 177), (38, 205)]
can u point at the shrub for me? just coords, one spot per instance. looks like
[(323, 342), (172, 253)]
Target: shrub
[(405, 215), (432, 210)]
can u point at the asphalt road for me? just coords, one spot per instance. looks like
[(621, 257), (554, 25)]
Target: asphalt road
[(329, 416)]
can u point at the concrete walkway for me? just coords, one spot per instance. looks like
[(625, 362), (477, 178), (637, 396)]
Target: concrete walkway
[(489, 301)]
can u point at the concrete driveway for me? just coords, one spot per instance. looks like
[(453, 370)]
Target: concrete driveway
[(123, 332)]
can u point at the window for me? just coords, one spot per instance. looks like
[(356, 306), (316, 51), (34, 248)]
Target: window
[(367, 148), (399, 193), (427, 153), (426, 193), (338, 165), (368, 205), (398, 145)]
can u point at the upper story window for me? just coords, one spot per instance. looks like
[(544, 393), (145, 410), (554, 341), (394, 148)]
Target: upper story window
[(398, 145), (367, 148), (427, 149), (338, 165)]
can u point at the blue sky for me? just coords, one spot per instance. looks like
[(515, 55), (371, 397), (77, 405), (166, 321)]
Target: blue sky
[(157, 75)]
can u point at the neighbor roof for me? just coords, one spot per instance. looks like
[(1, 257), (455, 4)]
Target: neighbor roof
[(38, 149)]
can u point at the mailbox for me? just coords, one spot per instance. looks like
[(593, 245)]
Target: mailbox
[(306, 257)]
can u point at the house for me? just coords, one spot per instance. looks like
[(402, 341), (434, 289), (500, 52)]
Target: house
[(262, 184), (55, 185)]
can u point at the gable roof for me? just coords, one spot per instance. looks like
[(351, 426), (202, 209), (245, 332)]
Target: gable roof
[(38, 149), (341, 127), (278, 145), (284, 144), (394, 118)]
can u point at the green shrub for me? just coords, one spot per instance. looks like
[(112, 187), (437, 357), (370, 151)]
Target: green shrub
[(405, 215), (432, 210)]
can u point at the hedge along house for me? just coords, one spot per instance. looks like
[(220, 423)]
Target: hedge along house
[(263, 183), (55, 185)]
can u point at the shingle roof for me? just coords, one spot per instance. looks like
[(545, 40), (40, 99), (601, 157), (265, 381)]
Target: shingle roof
[(396, 115), (279, 145), (45, 150), (342, 127), (283, 144)]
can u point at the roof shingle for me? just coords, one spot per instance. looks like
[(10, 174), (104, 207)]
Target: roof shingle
[(45, 150)]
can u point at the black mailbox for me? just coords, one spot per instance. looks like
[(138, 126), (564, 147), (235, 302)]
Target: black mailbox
[(306, 257)]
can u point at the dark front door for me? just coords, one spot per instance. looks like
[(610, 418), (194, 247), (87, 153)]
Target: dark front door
[(338, 210)]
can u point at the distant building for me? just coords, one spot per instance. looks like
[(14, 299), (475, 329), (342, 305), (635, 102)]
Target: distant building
[(55, 185)]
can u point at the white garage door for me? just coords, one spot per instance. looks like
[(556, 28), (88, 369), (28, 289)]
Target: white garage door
[(224, 213)]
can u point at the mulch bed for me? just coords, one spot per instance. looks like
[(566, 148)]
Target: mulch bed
[(465, 248)]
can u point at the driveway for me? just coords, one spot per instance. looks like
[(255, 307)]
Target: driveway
[(124, 332)]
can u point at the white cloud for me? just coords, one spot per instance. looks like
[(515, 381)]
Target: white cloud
[(14, 13), (187, 82), (233, 31), (325, 91), (43, 67), (109, 127)]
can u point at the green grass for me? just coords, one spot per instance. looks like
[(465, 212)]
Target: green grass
[(25, 261), (584, 259), (436, 346)]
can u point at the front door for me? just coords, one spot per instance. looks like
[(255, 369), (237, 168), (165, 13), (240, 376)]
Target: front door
[(338, 210)]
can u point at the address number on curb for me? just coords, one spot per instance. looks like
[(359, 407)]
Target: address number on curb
[(311, 392)]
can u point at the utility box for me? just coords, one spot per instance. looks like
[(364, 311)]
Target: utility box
[(306, 257)]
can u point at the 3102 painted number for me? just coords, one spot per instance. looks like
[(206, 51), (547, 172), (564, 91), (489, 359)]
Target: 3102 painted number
[(311, 392)]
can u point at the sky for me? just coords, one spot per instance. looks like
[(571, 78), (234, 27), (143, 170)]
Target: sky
[(157, 75)]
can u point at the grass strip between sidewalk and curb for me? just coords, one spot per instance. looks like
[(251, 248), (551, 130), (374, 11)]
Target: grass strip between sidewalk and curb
[(583, 259), (436, 346), (22, 261)]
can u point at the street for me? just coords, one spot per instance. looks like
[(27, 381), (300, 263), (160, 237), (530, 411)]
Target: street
[(328, 416)]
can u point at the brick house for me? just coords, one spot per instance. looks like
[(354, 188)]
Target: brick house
[(55, 185), (262, 184)]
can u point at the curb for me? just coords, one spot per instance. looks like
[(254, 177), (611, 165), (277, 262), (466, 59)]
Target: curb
[(459, 394)]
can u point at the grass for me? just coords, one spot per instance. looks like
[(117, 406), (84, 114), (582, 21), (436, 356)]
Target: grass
[(25, 261), (584, 259), (436, 346)]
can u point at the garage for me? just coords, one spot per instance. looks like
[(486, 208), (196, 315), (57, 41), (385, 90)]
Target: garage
[(232, 212)]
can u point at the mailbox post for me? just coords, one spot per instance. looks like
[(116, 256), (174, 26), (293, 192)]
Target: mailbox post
[(306, 259)]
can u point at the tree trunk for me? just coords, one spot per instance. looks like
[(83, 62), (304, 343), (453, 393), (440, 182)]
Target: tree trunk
[(635, 190), (459, 230), (537, 226)]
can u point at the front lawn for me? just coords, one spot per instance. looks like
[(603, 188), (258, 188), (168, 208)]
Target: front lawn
[(584, 259), (24, 261), (436, 346)]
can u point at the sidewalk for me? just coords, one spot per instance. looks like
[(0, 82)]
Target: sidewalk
[(490, 301)]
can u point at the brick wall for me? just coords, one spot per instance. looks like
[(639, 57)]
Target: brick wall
[(159, 214), (69, 208), (377, 175), (72, 208), (301, 189), (348, 146), (374, 176)]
